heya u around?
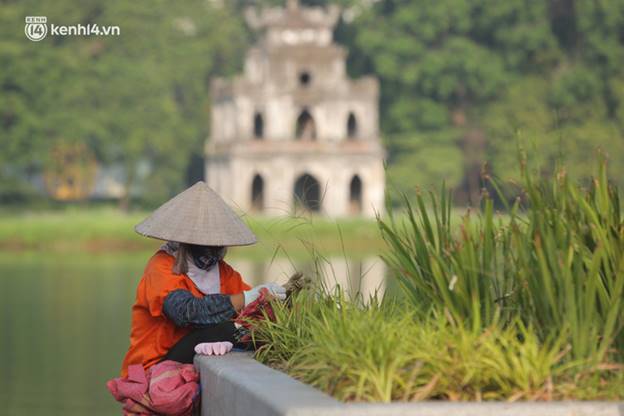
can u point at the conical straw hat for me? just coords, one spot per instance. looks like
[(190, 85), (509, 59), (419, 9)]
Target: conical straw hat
[(197, 216)]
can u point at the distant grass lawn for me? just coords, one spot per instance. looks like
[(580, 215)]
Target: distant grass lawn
[(107, 229)]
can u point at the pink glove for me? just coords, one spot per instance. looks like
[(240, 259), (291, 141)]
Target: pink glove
[(213, 348)]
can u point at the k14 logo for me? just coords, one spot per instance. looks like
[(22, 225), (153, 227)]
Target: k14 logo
[(36, 28)]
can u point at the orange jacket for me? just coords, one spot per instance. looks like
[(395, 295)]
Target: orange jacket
[(152, 334)]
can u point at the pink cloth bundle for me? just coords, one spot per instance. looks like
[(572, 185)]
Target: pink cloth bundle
[(167, 388)]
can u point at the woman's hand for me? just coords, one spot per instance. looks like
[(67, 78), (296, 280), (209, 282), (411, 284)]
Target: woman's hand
[(238, 301), (276, 291)]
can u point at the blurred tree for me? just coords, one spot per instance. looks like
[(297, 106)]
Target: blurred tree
[(573, 108), (460, 81), (139, 100), (446, 61), (476, 75)]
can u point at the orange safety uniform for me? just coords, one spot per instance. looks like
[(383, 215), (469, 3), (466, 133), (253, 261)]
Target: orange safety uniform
[(152, 334)]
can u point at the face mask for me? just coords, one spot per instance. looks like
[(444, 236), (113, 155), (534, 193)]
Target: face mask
[(206, 257)]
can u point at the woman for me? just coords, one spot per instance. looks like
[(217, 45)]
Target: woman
[(188, 294)]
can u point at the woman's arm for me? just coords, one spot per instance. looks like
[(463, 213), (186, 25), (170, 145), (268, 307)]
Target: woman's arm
[(184, 309)]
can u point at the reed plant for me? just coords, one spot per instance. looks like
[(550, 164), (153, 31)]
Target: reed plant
[(383, 351), (555, 261), (525, 305)]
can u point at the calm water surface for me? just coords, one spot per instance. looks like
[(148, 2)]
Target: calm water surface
[(65, 321)]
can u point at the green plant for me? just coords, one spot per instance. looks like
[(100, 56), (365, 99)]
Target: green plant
[(556, 261), (383, 351), (520, 306)]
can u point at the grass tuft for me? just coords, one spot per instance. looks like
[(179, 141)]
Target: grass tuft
[(556, 262), (521, 306), (383, 352)]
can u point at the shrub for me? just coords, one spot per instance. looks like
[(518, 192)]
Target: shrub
[(555, 261), (521, 306), (384, 352)]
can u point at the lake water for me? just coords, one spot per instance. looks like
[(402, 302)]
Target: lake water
[(65, 321)]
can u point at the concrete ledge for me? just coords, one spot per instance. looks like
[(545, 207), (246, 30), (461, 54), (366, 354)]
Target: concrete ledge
[(488, 409), (237, 385)]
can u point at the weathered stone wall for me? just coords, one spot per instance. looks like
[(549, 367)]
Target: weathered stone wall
[(232, 174)]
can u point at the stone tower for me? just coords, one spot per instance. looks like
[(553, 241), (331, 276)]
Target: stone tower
[(293, 132)]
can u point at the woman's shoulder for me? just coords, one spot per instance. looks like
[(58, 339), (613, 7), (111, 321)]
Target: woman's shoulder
[(160, 263), (231, 280), (226, 271), (159, 273)]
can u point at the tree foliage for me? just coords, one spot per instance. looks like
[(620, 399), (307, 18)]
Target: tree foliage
[(461, 81), (475, 76), (139, 99)]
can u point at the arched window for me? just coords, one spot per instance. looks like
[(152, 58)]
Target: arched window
[(257, 193), (258, 126), (355, 195), (306, 129), (305, 78), (352, 127), (307, 193)]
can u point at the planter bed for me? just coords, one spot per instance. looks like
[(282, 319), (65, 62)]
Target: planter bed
[(237, 385)]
